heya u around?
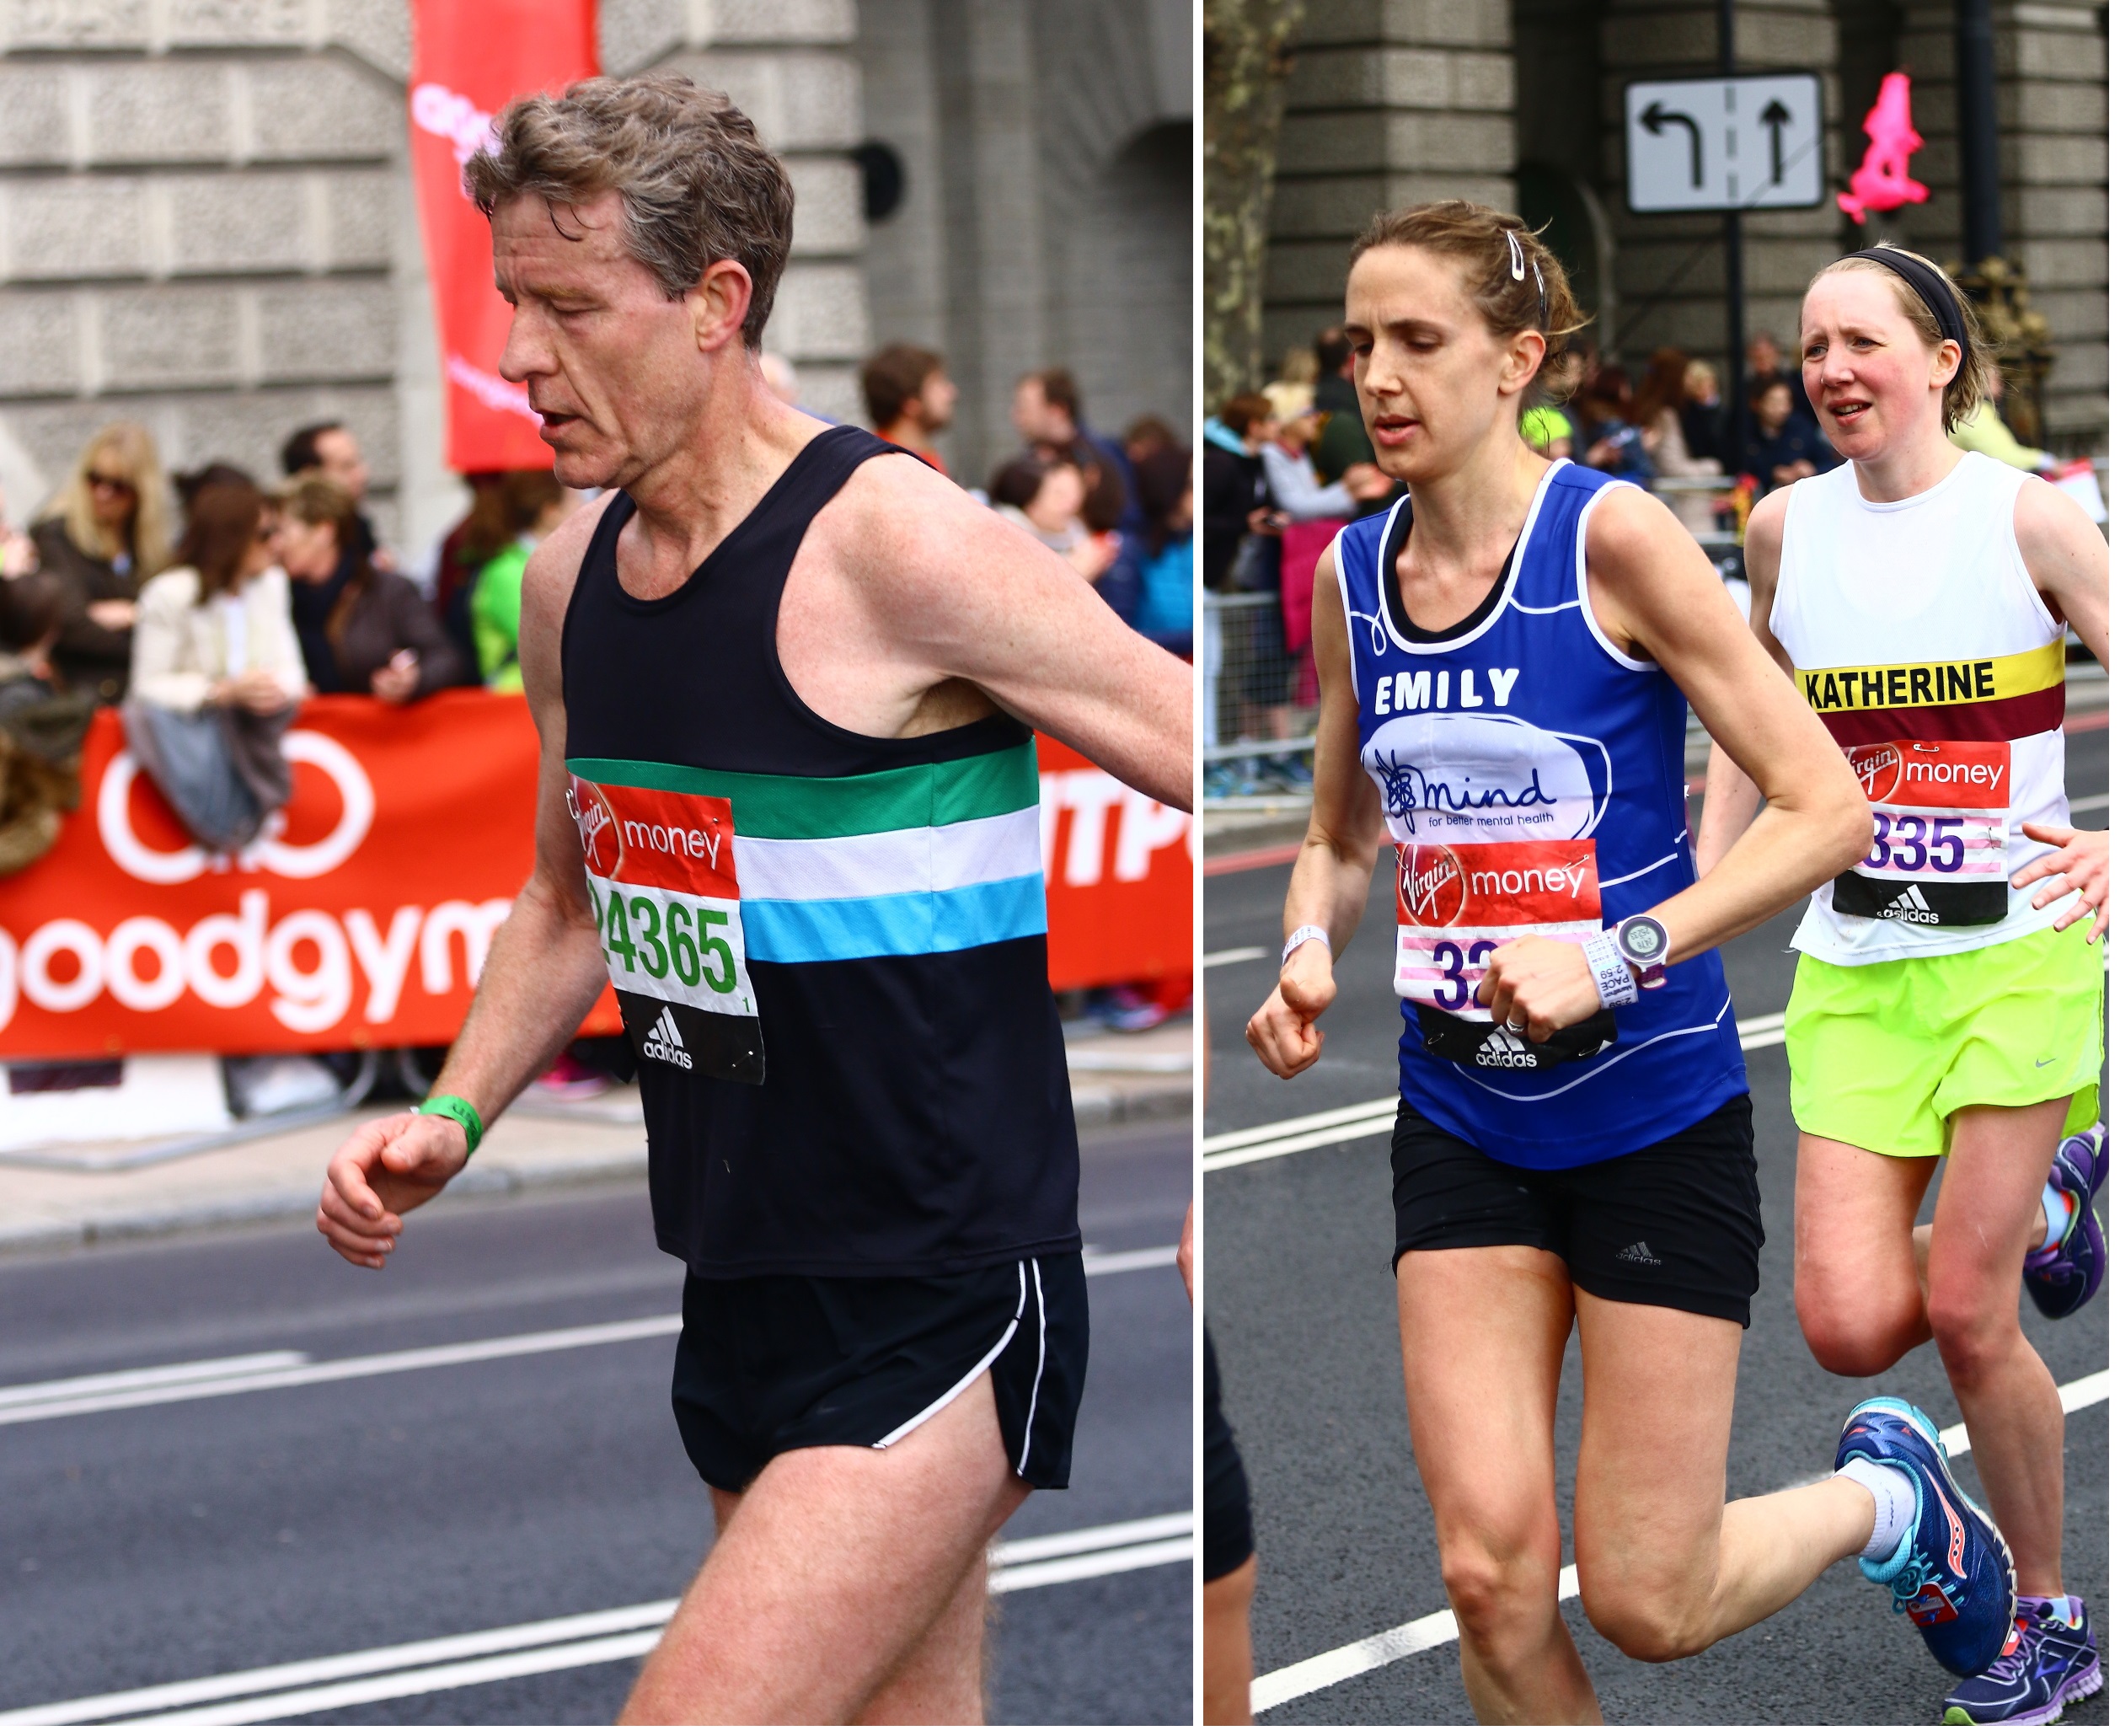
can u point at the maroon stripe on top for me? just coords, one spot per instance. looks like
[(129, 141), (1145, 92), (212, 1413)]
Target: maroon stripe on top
[(1981, 721)]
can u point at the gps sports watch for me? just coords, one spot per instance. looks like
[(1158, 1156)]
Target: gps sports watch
[(1646, 945)]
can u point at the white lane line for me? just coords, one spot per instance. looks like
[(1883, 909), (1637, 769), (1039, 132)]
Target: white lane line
[(2084, 804), (352, 1368), (1234, 955), (132, 1380), (129, 1389), (565, 1643), (1128, 1260), (1279, 1686), (1360, 1121)]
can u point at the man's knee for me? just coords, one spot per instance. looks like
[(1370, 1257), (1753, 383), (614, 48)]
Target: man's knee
[(1857, 1329)]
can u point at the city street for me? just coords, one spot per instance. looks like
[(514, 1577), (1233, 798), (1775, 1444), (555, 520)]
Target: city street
[(235, 1456), (1350, 1625)]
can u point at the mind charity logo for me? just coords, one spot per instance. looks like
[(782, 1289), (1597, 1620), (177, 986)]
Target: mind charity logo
[(1465, 780)]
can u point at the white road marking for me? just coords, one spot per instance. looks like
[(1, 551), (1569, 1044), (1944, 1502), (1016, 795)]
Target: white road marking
[(1128, 1260), (1279, 1686), (285, 1690), (1359, 1121), (1234, 955), (275, 1370), (2084, 804)]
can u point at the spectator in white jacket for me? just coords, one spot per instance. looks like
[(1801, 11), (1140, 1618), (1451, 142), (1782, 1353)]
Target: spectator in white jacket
[(1658, 406), (1292, 478), (215, 630)]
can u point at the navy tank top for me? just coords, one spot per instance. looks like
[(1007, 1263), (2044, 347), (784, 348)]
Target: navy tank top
[(829, 948), (1534, 781)]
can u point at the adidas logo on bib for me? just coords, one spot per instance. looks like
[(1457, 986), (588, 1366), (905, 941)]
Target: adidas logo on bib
[(1910, 906), (665, 1044)]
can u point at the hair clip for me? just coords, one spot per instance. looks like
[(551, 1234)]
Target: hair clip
[(1543, 313), (1516, 255)]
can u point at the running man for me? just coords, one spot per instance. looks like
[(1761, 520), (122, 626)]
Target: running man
[(1945, 1001), (1508, 655), (784, 677)]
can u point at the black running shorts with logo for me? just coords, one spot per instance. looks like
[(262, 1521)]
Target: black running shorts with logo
[(766, 1365), (1675, 1224)]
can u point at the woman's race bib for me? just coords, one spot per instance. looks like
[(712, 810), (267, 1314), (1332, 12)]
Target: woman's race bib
[(662, 878), (1940, 850), (1457, 903)]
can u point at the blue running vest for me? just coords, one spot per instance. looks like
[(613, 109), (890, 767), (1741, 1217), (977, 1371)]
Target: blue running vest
[(1498, 752)]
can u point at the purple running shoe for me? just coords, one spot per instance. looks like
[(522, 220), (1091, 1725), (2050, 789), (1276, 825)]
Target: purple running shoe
[(2050, 1658), (2062, 1279)]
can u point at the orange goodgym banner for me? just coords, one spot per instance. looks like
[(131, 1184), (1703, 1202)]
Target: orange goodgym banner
[(471, 58), (363, 916)]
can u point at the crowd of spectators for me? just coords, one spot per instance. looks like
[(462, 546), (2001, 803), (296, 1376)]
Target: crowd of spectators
[(1119, 512)]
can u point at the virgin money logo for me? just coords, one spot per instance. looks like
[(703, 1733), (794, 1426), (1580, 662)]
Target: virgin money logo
[(1877, 768), (602, 848), (1432, 884)]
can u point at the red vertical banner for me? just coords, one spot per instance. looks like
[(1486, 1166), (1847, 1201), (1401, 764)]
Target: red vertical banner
[(470, 59)]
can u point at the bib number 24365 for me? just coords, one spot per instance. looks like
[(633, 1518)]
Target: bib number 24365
[(662, 876)]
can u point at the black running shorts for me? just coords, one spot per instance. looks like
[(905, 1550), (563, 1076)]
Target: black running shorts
[(1226, 1535), (1675, 1224), (766, 1365)]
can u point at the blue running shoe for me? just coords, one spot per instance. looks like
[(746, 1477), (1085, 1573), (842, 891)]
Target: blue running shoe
[(1951, 1574), (2062, 1279), (2050, 1658)]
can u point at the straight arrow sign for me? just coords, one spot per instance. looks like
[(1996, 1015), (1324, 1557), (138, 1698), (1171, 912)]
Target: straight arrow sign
[(1751, 143), (1773, 117)]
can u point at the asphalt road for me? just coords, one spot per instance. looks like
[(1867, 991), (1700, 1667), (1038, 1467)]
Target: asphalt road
[(1295, 1271), (152, 1546)]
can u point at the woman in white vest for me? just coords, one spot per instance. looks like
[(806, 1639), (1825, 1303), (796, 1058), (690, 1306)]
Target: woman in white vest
[(1948, 1001)]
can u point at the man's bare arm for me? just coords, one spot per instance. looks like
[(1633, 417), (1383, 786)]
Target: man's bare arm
[(542, 976), (948, 590)]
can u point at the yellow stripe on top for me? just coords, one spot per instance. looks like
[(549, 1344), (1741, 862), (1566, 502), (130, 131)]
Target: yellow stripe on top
[(1965, 680)]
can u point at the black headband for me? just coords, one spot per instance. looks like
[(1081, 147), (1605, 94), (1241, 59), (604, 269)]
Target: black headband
[(1925, 281)]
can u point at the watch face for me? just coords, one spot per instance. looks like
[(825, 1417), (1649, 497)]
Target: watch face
[(1642, 939)]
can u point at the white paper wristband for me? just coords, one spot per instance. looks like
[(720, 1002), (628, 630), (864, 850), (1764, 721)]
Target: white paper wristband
[(1610, 972), (1309, 931)]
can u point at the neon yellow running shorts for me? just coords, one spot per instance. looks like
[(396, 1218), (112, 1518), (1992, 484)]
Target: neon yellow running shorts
[(1881, 1055)]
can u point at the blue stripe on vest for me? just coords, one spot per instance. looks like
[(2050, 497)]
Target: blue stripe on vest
[(899, 925)]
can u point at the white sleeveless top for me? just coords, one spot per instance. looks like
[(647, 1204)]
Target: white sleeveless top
[(1921, 642)]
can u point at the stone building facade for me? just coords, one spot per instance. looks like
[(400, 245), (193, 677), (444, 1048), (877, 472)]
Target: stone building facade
[(1518, 103), (206, 219)]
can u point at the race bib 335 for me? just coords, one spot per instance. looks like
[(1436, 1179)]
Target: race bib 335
[(1939, 846)]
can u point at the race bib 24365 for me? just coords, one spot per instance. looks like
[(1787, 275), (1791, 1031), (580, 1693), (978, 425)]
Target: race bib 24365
[(662, 876)]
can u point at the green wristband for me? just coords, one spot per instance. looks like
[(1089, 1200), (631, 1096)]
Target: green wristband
[(460, 1112)]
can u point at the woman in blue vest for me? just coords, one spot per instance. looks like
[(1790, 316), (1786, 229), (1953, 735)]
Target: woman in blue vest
[(1506, 659)]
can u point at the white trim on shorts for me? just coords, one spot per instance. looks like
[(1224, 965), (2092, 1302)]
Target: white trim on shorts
[(1031, 1410), (984, 1363)]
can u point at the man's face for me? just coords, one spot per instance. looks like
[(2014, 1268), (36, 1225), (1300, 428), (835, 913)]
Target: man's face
[(339, 457), (1040, 421), (1765, 356), (613, 366), (938, 401)]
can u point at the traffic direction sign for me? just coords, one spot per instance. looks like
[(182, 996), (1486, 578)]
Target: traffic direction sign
[(1725, 144)]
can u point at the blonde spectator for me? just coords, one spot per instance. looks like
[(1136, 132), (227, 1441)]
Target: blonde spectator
[(1658, 407), (104, 534)]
